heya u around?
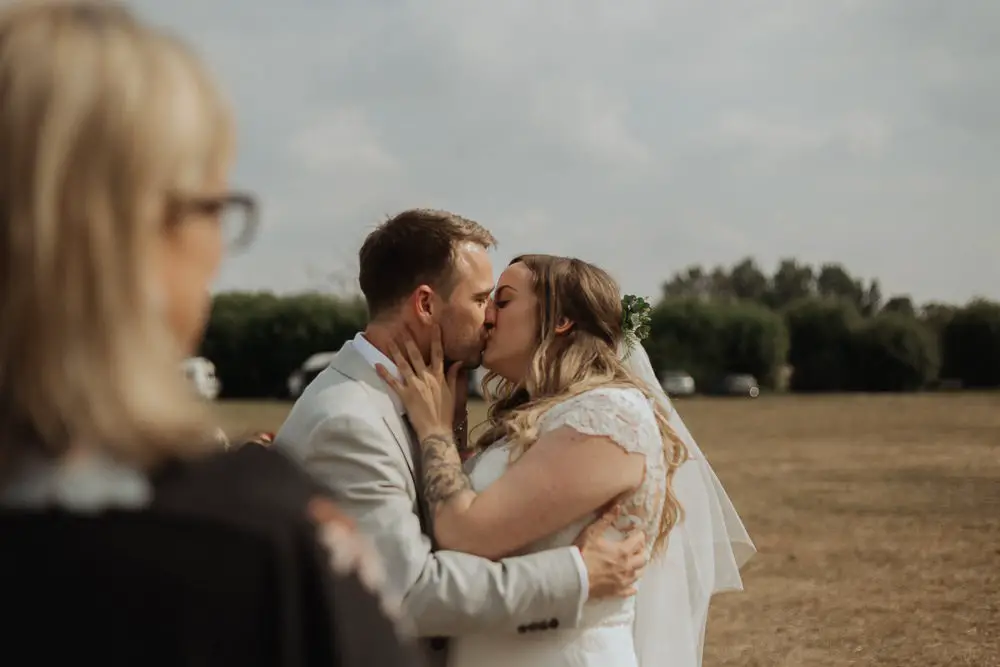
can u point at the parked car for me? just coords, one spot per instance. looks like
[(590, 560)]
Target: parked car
[(200, 372), (317, 363), (678, 383), (307, 372), (741, 385)]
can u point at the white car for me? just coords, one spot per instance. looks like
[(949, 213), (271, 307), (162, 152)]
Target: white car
[(200, 372), (315, 365), (741, 384), (678, 383), (307, 372)]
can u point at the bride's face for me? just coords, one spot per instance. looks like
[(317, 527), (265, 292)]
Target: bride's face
[(512, 323)]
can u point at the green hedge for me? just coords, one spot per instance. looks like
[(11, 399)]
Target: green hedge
[(710, 340), (970, 345), (257, 339), (893, 352)]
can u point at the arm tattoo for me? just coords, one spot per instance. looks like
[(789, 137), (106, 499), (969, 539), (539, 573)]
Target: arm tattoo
[(442, 468)]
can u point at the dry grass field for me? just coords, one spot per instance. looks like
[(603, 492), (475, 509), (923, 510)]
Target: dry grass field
[(877, 520)]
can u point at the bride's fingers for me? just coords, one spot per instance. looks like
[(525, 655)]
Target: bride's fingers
[(387, 377), (400, 360), (413, 354)]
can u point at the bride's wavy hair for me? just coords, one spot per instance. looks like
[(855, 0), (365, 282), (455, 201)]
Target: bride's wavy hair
[(564, 365)]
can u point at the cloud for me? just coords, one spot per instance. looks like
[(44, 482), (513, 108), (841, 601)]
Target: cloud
[(644, 136), (762, 134), (591, 121), (342, 142), (862, 134)]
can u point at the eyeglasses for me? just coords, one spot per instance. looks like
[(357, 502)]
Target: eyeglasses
[(236, 212)]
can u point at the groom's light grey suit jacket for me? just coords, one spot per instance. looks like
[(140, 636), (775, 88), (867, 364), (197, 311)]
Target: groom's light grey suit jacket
[(349, 432)]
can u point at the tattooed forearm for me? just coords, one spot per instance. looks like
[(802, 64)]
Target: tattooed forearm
[(442, 468)]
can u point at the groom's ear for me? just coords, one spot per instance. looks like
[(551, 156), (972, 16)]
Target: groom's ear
[(564, 325), (423, 304)]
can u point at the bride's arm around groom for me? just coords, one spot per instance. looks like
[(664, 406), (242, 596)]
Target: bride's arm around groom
[(350, 434), (350, 431)]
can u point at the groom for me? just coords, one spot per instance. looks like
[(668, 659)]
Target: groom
[(419, 269)]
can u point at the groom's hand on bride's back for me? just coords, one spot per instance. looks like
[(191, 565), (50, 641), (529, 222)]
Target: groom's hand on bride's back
[(613, 566)]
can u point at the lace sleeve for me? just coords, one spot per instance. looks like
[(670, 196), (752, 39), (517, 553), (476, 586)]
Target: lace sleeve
[(622, 414)]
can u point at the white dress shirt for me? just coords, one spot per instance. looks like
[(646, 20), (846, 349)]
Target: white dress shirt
[(374, 356)]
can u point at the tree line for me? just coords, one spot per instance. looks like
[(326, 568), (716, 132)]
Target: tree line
[(802, 328)]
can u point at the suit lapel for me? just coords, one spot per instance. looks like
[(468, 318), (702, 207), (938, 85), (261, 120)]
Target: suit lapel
[(350, 362)]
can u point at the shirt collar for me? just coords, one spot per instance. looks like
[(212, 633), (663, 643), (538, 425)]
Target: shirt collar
[(88, 483), (373, 356)]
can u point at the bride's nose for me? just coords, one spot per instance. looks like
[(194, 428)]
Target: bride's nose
[(490, 319)]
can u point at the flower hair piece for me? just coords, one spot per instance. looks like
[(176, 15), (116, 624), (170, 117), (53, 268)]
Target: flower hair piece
[(636, 320)]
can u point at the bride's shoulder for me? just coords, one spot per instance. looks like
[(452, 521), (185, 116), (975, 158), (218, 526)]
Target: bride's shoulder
[(609, 395), (614, 402), (623, 414)]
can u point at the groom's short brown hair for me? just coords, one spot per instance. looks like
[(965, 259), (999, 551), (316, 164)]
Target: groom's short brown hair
[(413, 248)]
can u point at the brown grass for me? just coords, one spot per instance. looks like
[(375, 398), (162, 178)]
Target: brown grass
[(877, 520)]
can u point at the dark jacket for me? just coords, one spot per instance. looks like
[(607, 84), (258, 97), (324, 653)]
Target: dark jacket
[(224, 568)]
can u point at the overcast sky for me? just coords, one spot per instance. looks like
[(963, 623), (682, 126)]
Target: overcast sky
[(642, 135)]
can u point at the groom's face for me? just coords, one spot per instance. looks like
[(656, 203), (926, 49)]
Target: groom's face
[(462, 319)]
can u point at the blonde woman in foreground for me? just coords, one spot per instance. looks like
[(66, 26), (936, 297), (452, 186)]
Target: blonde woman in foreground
[(128, 538), (576, 422)]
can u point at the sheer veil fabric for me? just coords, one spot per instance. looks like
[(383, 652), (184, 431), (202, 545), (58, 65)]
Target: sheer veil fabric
[(704, 554)]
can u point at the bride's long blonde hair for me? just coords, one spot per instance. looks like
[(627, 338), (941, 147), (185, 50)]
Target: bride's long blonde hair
[(564, 365)]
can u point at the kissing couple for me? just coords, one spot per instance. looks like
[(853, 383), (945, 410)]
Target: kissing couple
[(588, 530)]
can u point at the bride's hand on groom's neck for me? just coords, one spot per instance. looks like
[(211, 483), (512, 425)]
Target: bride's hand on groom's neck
[(427, 392)]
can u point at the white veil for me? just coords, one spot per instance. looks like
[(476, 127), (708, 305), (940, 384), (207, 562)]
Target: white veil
[(704, 554)]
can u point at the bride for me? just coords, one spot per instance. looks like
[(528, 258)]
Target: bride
[(577, 423)]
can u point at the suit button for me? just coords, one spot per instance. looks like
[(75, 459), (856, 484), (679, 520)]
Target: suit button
[(553, 623), (438, 643), (522, 629)]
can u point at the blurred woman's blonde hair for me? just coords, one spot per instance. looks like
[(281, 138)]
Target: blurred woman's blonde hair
[(102, 121)]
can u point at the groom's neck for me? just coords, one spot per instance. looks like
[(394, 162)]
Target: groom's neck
[(382, 334), (379, 336)]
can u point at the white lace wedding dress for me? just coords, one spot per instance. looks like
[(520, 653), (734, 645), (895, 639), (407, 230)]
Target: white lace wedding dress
[(604, 635)]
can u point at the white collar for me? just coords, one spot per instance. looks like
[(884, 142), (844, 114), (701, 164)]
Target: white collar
[(373, 356), (88, 484)]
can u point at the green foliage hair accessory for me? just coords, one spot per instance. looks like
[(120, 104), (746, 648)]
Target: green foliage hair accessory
[(635, 319)]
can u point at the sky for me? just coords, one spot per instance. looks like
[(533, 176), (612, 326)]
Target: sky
[(642, 135)]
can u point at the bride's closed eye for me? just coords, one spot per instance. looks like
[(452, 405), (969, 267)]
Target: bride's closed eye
[(502, 296)]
